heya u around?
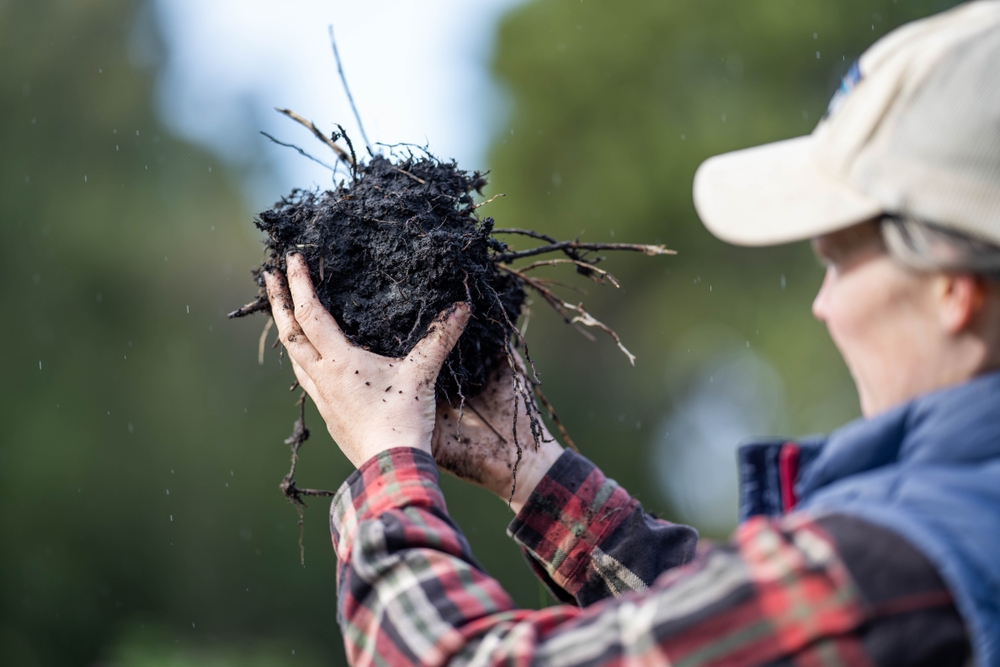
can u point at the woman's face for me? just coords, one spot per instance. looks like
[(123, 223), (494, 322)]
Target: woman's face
[(881, 317)]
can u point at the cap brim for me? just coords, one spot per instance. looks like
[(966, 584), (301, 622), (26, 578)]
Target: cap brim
[(775, 193)]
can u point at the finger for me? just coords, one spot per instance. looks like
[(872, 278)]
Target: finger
[(314, 318), (429, 354), (283, 312)]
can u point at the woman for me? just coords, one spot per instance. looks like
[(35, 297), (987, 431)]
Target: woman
[(877, 545)]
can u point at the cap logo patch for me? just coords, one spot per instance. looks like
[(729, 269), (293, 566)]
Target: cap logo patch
[(847, 84)]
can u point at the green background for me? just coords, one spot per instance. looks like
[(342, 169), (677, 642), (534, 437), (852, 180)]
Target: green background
[(140, 442)]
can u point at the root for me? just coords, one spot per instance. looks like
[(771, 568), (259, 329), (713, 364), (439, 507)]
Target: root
[(308, 124), (485, 421), (564, 308), (591, 270), (555, 420), (347, 90), (263, 341), (650, 250), (293, 493), (300, 151), (257, 305)]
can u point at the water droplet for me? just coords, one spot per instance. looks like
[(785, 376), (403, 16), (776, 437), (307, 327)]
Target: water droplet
[(168, 492), (39, 365), (84, 178), (171, 517), (817, 55), (188, 309), (782, 281)]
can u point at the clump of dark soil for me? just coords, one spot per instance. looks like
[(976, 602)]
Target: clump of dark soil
[(391, 249), (397, 242)]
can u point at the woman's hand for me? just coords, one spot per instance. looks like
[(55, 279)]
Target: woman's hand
[(370, 403), (481, 449)]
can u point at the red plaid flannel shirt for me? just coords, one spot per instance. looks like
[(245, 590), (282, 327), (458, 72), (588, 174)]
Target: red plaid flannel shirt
[(410, 592)]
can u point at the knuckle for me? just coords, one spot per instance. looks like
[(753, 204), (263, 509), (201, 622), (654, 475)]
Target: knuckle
[(304, 309)]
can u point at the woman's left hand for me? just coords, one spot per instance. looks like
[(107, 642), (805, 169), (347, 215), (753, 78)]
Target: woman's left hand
[(370, 403)]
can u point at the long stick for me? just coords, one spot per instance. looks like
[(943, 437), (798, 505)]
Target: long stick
[(350, 98), (576, 245)]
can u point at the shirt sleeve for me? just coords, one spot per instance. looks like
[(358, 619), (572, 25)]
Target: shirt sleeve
[(410, 593), (588, 539)]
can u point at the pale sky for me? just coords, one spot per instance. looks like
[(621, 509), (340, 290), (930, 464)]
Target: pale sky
[(418, 72)]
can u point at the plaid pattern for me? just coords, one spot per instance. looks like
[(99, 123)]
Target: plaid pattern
[(580, 528), (410, 592)]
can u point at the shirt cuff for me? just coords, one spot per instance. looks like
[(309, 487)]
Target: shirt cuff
[(567, 516), (392, 479)]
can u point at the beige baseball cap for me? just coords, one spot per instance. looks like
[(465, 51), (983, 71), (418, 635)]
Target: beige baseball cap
[(913, 131)]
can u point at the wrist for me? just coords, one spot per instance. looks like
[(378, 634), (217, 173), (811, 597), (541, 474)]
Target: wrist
[(379, 442), (531, 471)]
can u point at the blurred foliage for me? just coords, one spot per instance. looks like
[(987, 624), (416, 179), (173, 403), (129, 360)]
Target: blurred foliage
[(141, 443)]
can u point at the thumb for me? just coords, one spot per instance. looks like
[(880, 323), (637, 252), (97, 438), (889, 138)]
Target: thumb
[(429, 354)]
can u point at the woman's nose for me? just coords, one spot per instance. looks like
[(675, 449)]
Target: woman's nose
[(821, 304)]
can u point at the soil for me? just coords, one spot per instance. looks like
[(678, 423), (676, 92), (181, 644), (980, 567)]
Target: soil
[(394, 247)]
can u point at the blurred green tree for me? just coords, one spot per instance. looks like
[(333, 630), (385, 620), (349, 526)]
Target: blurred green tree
[(141, 442)]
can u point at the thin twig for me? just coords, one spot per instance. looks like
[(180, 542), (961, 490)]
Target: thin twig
[(301, 152), (526, 232), (588, 320), (350, 98), (414, 177), (601, 273), (260, 303), (308, 124), (488, 201), (650, 250)]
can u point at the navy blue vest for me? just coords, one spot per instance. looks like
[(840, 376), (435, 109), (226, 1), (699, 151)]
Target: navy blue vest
[(928, 470)]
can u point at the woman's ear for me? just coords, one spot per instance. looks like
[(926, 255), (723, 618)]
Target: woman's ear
[(960, 300)]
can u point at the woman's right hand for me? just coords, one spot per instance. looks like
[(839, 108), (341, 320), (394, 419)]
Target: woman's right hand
[(481, 449)]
